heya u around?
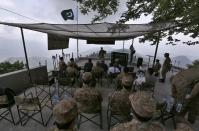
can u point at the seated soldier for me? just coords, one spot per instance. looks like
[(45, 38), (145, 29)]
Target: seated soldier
[(120, 76), (97, 71), (71, 73), (65, 114), (88, 99), (62, 67), (150, 79), (73, 64), (143, 107), (119, 100), (157, 67)]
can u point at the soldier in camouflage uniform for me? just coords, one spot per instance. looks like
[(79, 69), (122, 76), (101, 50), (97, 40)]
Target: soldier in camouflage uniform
[(183, 127), (65, 114), (185, 90), (88, 99), (144, 107), (97, 71), (120, 76), (119, 100), (72, 63), (166, 67)]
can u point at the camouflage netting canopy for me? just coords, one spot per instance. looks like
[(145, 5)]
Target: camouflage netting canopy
[(96, 31)]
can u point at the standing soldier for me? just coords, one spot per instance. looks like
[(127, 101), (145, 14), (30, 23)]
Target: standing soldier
[(65, 114), (144, 107), (157, 67), (166, 67), (185, 90), (132, 52), (102, 53)]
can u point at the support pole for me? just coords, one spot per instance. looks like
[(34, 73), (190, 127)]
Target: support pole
[(156, 49), (27, 63), (77, 33), (123, 45)]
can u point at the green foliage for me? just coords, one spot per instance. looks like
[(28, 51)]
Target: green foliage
[(6, 67), (183, 13), (195, 64), (104, 8)]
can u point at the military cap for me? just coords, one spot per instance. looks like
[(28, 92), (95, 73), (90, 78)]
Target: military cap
[(65, 111), (127, 80), (143, 103), (183, 127), (87, 76)]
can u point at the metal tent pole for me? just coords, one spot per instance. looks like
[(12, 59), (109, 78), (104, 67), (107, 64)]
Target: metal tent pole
[(123, 45), (77, 34), (27, 63), (156, 49)]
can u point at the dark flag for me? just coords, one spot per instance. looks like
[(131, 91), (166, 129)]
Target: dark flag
[(67, 14)]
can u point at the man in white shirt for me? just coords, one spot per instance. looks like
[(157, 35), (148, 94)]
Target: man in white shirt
[(113, 69)]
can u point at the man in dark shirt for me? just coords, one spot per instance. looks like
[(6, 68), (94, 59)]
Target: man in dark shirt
[(88, 66)]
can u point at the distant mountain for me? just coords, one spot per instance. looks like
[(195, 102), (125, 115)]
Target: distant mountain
[(33, 61), (96, 50), (181, 61)]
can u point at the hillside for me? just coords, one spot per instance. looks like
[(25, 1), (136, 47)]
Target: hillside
[(181, 61)]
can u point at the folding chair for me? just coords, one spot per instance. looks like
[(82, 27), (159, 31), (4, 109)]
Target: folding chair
[(43, 92), (94, 115), (6, 103), (28, 108), (165, 115), (118, 110), (89, 106), (65, 84)]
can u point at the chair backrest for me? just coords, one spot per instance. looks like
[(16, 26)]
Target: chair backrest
[(20, 101), (119, 103), (88, 100), (10, 95), (65, 81)]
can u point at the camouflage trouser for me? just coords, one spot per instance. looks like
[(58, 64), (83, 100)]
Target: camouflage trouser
[(192, 110)]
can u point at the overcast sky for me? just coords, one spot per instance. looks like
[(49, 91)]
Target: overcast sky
[(49, 11)]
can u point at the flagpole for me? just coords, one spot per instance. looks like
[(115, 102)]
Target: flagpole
[(77, 34)]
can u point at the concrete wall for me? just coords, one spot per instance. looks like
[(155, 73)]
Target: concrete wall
[(19, 80)]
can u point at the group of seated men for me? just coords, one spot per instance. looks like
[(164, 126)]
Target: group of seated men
[(101, 69), (88, 99)]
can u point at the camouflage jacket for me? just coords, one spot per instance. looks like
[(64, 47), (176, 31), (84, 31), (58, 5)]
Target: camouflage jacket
[(119, 102), (97, 71), (136, 125), (194, 97), (88, 100), (183, 81)]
